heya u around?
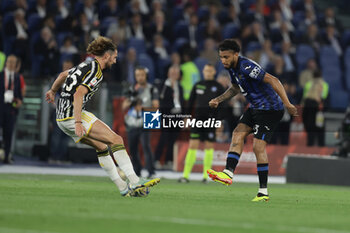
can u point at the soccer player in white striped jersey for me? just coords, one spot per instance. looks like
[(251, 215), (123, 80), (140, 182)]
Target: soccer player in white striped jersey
[(78, 86)]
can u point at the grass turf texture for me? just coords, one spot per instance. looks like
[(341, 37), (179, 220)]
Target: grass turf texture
[(48, 204)]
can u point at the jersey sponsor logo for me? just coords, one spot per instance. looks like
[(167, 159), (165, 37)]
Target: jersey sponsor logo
[(255, 72), (64, 94), (248, 67)]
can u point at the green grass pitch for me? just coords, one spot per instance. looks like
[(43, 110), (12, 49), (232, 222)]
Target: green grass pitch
[(70, 204)]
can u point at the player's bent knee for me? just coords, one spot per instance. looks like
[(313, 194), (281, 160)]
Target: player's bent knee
[(114, 139), (237, 138), (117, 140)]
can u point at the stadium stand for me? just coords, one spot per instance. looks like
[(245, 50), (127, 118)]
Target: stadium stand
[(233, 19), (303, 54)]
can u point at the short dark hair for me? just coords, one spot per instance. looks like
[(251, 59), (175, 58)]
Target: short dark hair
[(210, 64), (144, 68), (229, 44)]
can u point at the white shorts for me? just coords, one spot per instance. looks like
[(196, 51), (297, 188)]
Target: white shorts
[(68, 125)]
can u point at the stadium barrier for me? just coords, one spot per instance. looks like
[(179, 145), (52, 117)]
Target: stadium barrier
[(327, 170), (247, 164)]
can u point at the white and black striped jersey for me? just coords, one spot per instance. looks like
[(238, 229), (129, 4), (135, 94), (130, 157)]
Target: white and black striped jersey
[(88, 74)]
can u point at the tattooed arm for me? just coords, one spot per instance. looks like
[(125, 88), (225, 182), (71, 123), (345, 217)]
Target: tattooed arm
[(229, 93)]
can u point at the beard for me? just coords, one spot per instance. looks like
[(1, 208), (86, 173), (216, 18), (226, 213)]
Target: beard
[(109, 66), (230, 65)]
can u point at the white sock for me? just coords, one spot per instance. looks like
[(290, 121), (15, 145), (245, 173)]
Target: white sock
[(125, 165), (107, 163), (122, 174), (263, 191), (228, 172)]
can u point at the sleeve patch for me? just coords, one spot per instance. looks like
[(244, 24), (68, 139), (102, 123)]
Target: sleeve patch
[(255, 72), (93, 82)]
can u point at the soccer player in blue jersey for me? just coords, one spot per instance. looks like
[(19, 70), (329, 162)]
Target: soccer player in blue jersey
[(266, 96)]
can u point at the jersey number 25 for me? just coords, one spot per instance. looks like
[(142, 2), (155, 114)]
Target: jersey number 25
[(71, 81)]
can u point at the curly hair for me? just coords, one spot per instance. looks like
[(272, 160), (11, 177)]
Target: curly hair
[(229, 44), (100, 46)]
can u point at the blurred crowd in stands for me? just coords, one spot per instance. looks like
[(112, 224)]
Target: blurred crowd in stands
[(285, 37), (306, 47)]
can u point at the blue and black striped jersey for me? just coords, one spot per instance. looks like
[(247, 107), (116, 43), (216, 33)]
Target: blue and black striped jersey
[(248, 75)]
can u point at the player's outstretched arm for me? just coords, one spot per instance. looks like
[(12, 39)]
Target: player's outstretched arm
[(277, 86), (50, 94), (229, 93)]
